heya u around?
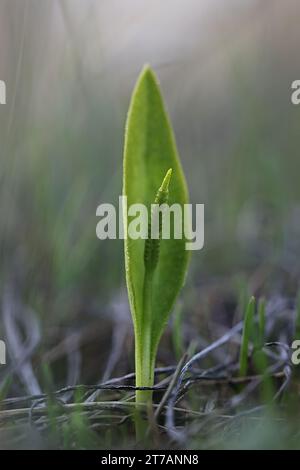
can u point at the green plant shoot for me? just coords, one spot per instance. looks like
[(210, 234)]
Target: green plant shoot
[(248, 330), (155, 268), (261, 321)]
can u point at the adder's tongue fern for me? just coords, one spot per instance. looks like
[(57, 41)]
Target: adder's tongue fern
[(153, 280), (151, 252)]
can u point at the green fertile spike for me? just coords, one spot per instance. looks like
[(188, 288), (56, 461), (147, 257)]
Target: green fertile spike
[(163, 192), (151, 253)]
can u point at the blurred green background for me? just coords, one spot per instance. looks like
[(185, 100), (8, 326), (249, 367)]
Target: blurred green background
[(226, 69)]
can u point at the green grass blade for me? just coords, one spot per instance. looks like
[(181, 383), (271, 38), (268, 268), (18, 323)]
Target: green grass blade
[(247, 334), (261, 321)]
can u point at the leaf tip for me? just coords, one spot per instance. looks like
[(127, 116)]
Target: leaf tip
[(148, 73), (166, 180)]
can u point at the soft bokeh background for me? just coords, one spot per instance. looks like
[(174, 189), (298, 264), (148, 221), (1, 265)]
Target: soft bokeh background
[(226, 69)]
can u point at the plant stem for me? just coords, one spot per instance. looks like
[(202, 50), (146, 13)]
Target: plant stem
[(144, 363)]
